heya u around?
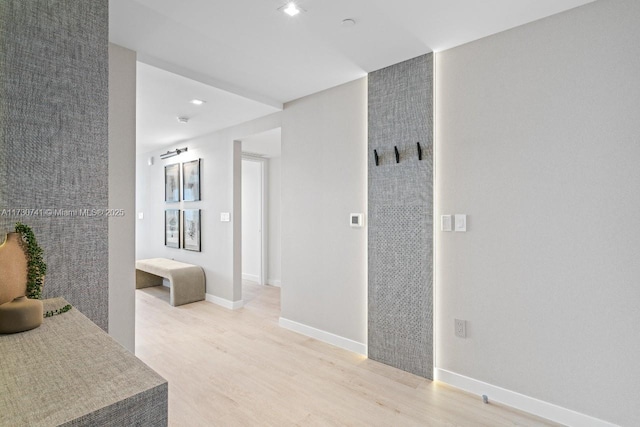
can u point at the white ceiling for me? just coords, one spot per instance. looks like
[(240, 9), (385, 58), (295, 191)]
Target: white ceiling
[(249, 48), (163, 96)]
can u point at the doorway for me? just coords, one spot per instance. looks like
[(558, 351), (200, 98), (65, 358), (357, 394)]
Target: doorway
[(260, 217), (253, 219)]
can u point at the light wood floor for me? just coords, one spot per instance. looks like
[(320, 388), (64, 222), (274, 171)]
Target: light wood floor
[(239, 368)]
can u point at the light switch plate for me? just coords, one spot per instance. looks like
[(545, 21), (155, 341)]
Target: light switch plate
[(461, 222), (225, 216), (445, 223)]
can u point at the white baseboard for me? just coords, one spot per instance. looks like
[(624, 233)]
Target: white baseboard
[(519, 401), (231, 305), (255, 278), (252, 277), (324, 336)]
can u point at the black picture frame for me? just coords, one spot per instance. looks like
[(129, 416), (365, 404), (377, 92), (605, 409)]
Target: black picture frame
[(191, 230), (172, 228), (191, 181), (172, 183)]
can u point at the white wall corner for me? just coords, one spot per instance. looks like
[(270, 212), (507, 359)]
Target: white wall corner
[(121, 184), (231, 305), (274, 282), (324, 336), (519, 401)]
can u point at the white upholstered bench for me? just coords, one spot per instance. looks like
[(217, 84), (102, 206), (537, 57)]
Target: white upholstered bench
[(187, 280)]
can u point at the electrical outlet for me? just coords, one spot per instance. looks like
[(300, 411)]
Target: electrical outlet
[(461, 328)]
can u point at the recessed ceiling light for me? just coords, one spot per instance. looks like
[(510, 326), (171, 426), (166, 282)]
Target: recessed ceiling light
[(183, 119), (197, 101), (348, 22), (291, 9)]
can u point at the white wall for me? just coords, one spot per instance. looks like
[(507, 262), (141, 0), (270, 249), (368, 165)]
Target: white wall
[(274, 183), (220, 192), (324, 178), (122, 150), (251, 219), (537, 141)]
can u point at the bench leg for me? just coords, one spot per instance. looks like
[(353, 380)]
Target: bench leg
[(145, 280), (187, 287), (172, 294)]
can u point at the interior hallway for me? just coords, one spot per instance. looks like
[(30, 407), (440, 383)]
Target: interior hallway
[(239, 368)]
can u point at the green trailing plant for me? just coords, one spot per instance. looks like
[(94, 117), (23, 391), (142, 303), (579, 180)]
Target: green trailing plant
[(36, 267), (58, 311)]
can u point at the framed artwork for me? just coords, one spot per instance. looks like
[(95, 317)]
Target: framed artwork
[(172, 183), (191, 229), (191, 181), (172, 228)]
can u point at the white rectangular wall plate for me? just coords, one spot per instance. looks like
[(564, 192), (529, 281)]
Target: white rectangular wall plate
[(356, 219), (461, 328), (225, 216), (445, 223), (461, 222)]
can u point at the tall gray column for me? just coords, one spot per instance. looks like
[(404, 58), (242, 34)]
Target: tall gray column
[(54, 143), (401, 216)]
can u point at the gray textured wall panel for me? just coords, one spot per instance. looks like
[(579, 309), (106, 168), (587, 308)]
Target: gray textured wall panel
[(54, 146), (400, 216)]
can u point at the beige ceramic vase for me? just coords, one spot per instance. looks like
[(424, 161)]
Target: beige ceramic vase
[(13, 269), (19, 315), (17, 312)]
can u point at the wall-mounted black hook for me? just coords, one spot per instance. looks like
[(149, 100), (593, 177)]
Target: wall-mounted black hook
[(375, 156), (397, 154), (419, 151)]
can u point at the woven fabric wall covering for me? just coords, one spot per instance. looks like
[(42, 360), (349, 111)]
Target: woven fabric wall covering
[(54, 141), (400, 224)]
